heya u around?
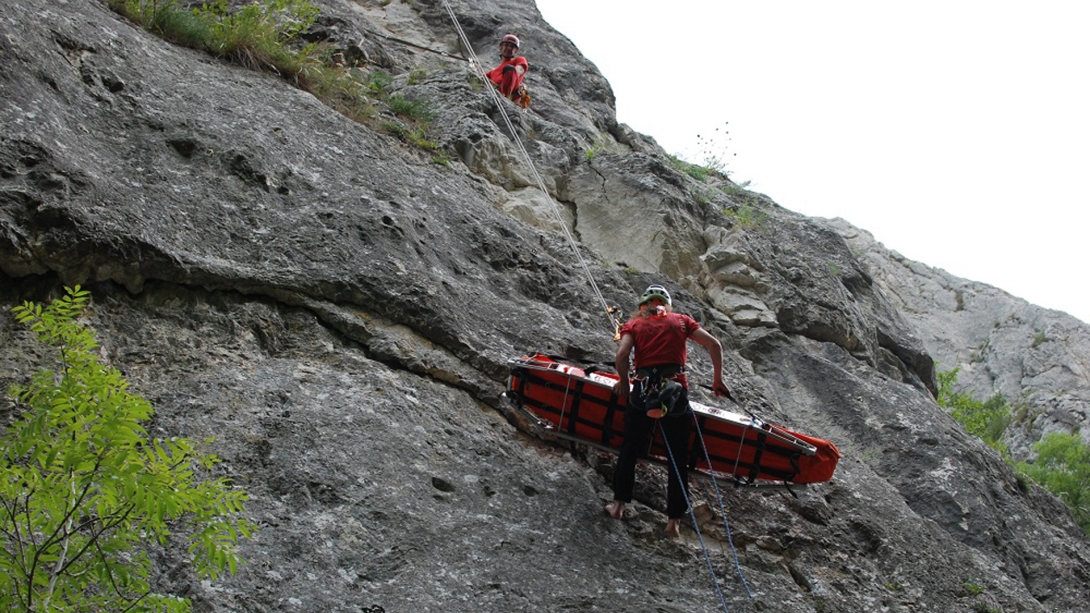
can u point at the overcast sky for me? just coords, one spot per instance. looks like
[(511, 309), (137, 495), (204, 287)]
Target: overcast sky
[(957, 132)]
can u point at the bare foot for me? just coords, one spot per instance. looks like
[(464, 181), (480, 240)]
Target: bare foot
[(673, 528), (615, 509)]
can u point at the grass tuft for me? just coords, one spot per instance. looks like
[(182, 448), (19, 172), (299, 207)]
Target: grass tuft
[(265, 35)]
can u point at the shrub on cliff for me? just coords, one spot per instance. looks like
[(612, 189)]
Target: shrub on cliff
[(1063, 468), (987, 419), (86, 495)]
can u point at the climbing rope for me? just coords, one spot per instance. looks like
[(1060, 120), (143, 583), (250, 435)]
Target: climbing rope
[(722, 509), (478, 68), (692, 515), (611, 312), (741, 445)]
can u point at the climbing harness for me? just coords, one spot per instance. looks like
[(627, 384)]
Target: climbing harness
[(613, 313), (658, 391)]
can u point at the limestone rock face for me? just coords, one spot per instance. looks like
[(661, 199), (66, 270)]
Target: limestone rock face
[(337, 309), (1035, 357)]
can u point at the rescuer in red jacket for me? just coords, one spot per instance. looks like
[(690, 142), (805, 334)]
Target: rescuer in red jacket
[(660, 396), (512, 69)]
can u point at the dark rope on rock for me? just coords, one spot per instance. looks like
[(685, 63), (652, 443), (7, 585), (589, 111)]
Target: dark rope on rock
[(479, 69), (692, 515), (722, 508)]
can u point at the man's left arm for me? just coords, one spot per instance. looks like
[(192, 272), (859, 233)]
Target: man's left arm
[(715, 349)]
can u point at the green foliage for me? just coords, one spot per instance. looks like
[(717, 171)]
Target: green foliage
[(1063, 460), (972, 588), (712, 147), (603, 144), (712, 176), (378, 82), (416, 131), (417, 110), (735, 189), (255, 35), (266, 35), (988, 419), (340, 90), (416, 136), (746, 216), (700, 173), (1063, 468), (85, 494), (704, 195)]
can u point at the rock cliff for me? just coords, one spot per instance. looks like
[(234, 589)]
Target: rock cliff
[(336, 308), (1036, 358)]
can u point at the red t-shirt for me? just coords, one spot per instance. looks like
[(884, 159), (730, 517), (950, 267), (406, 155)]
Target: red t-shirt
[(660, 339), (510, 84)]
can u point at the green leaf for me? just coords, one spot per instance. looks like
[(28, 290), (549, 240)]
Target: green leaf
[(93, 494)]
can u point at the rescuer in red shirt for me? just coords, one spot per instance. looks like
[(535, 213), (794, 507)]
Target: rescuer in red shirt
[(659, 396), (507, 77)]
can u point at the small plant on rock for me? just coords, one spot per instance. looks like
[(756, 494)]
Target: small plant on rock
[(972, 588), (1063, 468), (86, 495), (377, 82), (1038, 339), (696, 171), (266, 35), (987, 419), (417, 110), (746, 216)]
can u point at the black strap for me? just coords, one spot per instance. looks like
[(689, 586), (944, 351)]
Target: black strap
[(663, 371), (607, 426), (576, 398), (760, 445)]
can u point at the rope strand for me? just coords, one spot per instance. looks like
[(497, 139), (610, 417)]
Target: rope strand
[(692, 515), (479, 69), (722, 509), (613, 322)]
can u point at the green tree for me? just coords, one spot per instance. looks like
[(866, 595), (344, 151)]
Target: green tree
[(85, 494), (1063, 468), (986, 419)]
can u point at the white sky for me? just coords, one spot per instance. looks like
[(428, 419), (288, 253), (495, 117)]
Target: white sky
[(955, 131)]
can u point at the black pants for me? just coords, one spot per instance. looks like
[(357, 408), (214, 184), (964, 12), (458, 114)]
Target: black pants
[(637, 427)]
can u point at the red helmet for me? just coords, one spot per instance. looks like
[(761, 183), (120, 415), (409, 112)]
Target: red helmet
[(510, 38)]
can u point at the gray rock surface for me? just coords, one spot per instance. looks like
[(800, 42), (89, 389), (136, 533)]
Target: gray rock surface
[(1036, 358), (337, 310)]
